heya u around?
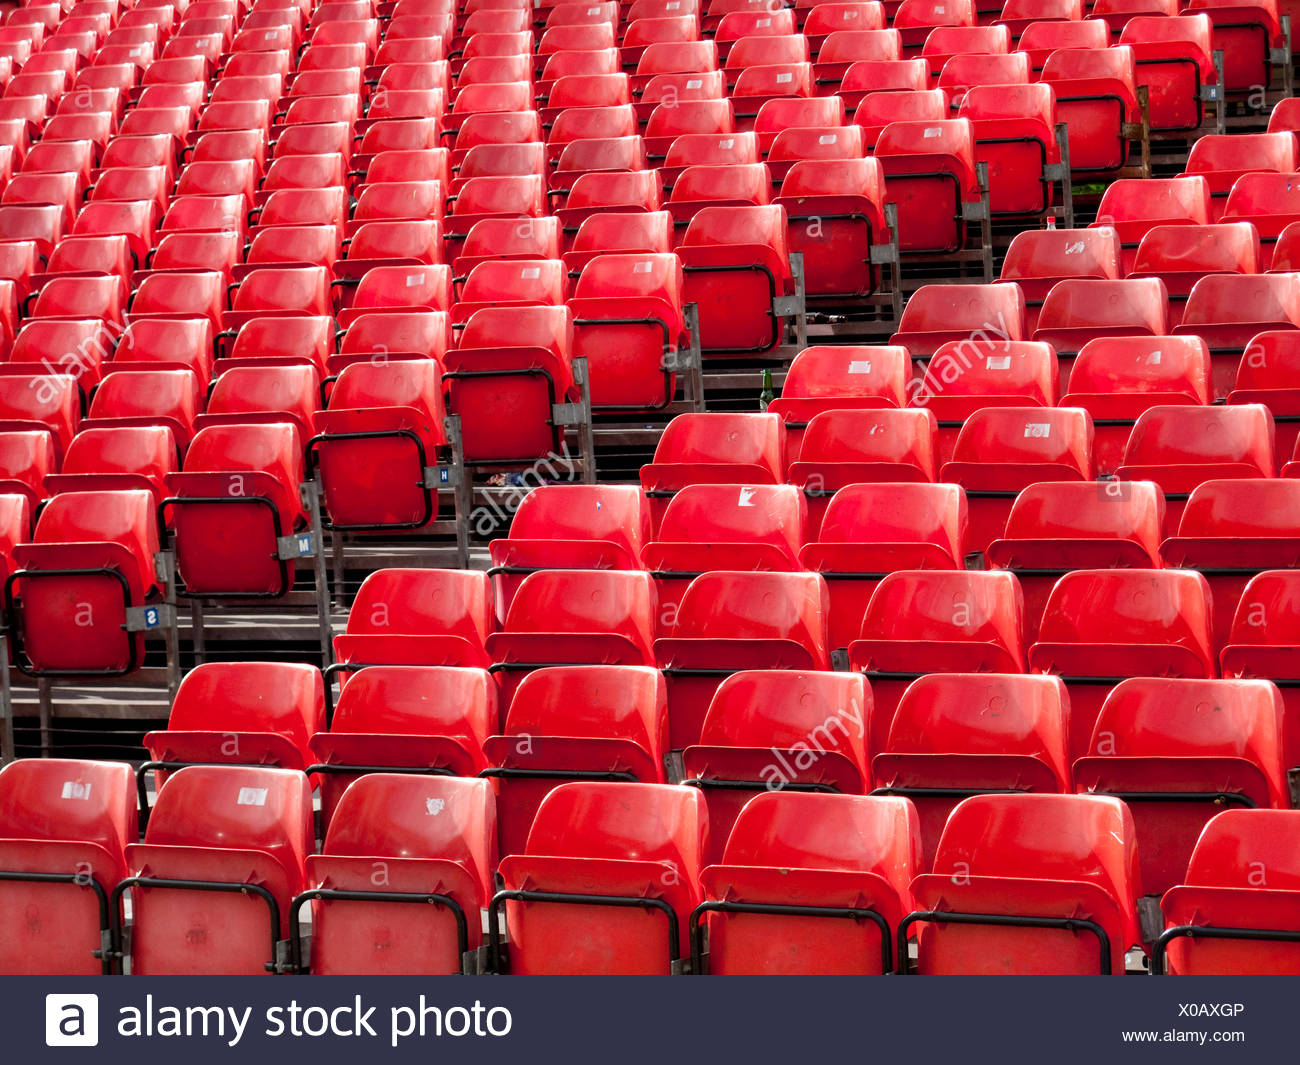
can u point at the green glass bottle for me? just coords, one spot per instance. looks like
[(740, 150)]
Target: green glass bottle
[(767, 395)]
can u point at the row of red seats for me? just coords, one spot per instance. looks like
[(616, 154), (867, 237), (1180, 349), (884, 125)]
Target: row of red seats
[(623, 862), (764, 729), (1097, 626)]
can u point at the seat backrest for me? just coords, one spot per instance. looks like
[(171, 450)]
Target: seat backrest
[(968, 309), (827, 371), (897, 437), (783, 708), (1056, 524), (1186, 718), (71, 799), (613, 602), (1072, 838), (1163, 366), (723, 438), (423, 601), (628, 703), (665, 824), (851, 833), (1229, 248), (1236, 436), (1038, 437), (1161, 616), (1062, 253), (985, 714), (390, 814), (1237, 844), (233, 697), (923, 609), (245, 807), (728, 605), (770, 515), (613, 513), (1131, 200)]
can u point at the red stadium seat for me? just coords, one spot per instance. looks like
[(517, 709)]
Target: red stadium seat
[(1102, 625), (1228, 310), (1178, 751), (1268, 374), (96, 549), (923, 621), (844, 447), (380, 435), (1002, 450), (1220, 159), (1054, 865), (838, 377), (418, 617), (964, 377), (1038, 258), (927, 163), (954, 735), (65, 825), (1181, 255), (233, 506), (574, 617), (729, 621), (239, 713), (1132, 207), (759, 725), (218, 825), (531, 345), (847, 856), (1117, 379), (714, 448), (426, 719), (629, 325), (1181, 447), (446, 860), (1055, 525), (938, 314), (1096, 98), (569, 527), (591, 722), (610, 840), (870, 530)]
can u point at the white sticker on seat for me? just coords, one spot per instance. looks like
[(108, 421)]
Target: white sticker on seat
[(828, 138), (781, 79), (1075, 248), (251, 797), (1154, 358), (530, 273), (763, 22), (695, 83), (76, 789), (997, 362), (726, 144), (860, 366), (414, 279), (644, 266), (1038, 430), (932, 131), (271, 35)]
